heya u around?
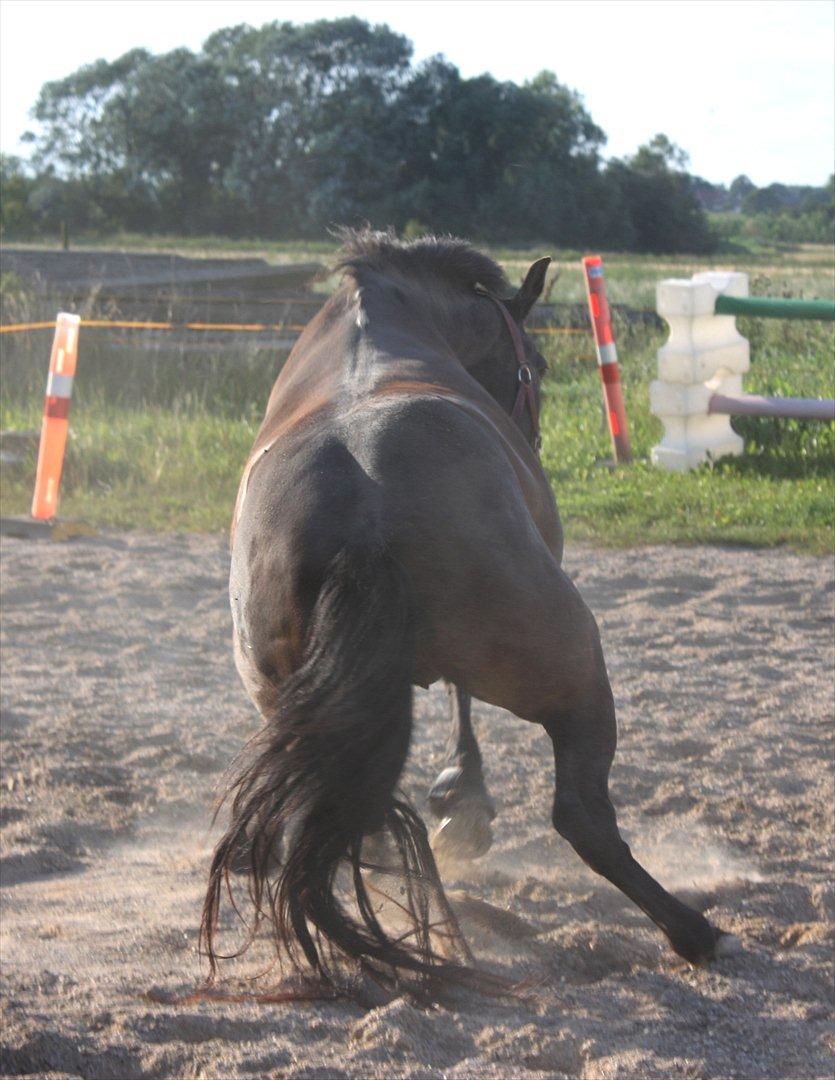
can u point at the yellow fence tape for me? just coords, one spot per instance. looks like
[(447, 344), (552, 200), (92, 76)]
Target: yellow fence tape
[(14, 328), (116, 324)]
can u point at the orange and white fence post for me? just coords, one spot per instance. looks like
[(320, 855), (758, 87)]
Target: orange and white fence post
[(607, 356), (56, 417)]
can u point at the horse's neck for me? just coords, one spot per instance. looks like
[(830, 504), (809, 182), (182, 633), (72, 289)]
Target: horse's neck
[(402, 330), (409, 330)]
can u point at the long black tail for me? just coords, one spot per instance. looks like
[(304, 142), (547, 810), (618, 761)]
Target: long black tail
[(321, 776)]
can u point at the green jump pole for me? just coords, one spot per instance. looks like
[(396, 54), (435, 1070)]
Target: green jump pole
[(767, 307)]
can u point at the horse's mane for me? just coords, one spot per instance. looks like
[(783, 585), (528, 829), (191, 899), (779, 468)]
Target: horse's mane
[(426, 260)]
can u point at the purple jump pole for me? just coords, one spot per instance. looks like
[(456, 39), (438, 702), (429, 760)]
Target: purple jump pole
[(791, 408)]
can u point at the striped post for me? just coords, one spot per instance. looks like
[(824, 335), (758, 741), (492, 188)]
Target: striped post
[(55, 417), (607, 357)]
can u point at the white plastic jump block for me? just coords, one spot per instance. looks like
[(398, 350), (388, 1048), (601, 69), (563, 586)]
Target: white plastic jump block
[(705, 354)]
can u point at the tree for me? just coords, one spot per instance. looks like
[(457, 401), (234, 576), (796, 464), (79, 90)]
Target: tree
[(159, 125), (709, 196), (15, 189), (283, 130), (311, 106), (658, 200), (77, 114), (741, 187), (493, 159)]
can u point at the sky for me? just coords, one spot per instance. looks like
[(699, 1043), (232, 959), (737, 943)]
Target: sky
[(743, 86)]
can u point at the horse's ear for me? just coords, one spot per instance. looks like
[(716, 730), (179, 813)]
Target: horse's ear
[(530, 290)]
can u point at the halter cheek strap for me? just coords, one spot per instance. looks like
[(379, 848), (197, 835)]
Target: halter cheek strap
[(525, 395)]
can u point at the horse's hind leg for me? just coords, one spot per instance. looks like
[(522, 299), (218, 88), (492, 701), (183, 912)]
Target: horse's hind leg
[(584, 736), (458, 797)]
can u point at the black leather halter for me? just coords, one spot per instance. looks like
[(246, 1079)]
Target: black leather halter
[(526, 393)]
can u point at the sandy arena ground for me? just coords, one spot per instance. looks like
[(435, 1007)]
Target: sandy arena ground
[(121, 708)]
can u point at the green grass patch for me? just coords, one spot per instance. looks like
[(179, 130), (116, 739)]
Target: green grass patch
[(160, 435), (151, 468), (781, 492)]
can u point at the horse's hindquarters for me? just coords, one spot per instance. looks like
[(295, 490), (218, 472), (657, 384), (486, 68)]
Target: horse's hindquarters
[(495, 613), (306, 502)]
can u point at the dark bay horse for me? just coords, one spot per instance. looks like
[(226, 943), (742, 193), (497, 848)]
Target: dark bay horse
[(394, 527)]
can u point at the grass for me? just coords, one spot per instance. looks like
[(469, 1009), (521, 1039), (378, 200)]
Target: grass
[(160, 436), (781, 491)]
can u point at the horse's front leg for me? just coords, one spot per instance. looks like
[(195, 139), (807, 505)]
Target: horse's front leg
[(458, 797)]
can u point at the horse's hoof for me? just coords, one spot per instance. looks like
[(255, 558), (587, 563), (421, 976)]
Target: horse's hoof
[(704, 943), (444, 791), (451, 790), (464, 835)]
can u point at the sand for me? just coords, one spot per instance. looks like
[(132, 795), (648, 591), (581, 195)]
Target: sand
[(121, 709)]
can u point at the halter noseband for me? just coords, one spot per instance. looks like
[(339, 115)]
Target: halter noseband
[(526, 393)]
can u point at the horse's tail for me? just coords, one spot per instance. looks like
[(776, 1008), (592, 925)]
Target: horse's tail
[(321, 776)]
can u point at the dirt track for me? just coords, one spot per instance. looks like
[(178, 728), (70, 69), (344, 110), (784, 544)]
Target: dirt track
[(121, 708)]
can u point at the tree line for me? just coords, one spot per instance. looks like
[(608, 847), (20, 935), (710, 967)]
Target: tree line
[(282, 131), (782, 212)]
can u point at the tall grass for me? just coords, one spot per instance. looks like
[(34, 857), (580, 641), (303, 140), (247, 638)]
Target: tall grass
[(160, 433)]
